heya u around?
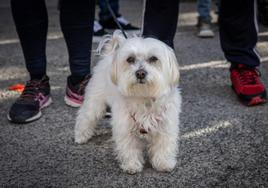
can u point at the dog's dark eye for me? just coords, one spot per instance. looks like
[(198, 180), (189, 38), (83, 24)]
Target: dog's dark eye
[(152, 59), (131, 59)]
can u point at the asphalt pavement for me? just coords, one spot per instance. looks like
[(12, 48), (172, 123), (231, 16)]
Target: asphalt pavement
[(222, 142)]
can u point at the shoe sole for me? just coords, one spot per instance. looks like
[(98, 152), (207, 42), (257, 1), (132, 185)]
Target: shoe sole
[(206, 35), (36, 117), (71, 103), (252, 100)]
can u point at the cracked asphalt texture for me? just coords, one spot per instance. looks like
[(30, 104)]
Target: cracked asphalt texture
[(222, 142)]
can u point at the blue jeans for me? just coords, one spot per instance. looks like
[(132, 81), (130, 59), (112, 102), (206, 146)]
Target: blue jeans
[(104, 13), (203, 8)]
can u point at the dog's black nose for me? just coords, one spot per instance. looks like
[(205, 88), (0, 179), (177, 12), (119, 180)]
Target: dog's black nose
[(141, 74)]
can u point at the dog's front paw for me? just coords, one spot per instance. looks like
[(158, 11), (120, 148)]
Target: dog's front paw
[(132, 167), (164, 165), (82, 137)]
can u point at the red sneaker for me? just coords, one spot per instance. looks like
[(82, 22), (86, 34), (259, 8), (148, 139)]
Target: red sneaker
[(247, 85)]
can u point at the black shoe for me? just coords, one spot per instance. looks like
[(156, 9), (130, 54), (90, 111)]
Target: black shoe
[(111, 24), (74, 95), (27, 107), (99, 32)]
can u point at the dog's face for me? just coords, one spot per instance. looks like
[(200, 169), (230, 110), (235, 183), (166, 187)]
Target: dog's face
[(142, 67)]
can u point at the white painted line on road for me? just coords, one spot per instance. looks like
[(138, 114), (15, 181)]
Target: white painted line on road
[(212, 64), (204, 65), (9, 41), (207, 130), (52, 36), (262, 34)]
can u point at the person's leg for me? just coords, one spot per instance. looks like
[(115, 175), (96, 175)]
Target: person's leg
[(218, 5), (238, 32), (31, 20), (263, 12), (160, 20), (30, 17), (104, 13), (106, 19), (204, 19), (76, 19), (238, 35), (203, 9)]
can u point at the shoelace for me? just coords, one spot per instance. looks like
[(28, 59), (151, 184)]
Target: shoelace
[(83, 84), (248, 76), (30, 90)]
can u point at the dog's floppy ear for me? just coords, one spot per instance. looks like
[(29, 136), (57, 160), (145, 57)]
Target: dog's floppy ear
[(108, 47), (114, 72), (110, 43), (173, 67)]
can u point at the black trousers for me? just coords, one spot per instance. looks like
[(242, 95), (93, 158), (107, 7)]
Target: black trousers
[(238, 27), (76, 20)]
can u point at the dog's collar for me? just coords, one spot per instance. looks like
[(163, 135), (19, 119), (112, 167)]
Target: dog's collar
[(142, 129)]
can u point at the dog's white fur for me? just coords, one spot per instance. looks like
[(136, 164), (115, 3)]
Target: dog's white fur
[(152, 105)]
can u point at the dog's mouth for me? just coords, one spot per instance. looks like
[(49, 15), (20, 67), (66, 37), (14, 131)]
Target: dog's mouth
[(141, 81)]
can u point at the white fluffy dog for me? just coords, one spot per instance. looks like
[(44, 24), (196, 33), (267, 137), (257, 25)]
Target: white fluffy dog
[(138, 78)]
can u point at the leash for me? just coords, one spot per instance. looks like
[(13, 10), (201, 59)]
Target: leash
[(115, 19)]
